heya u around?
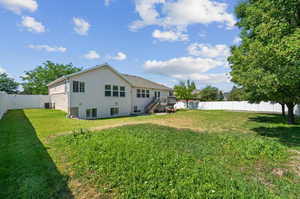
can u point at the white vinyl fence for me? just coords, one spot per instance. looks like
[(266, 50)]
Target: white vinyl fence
[(9, 102), (3, 103), (235, 106)]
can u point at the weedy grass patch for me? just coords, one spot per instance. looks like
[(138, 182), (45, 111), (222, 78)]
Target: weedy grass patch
[(216, 154), (151, 161)]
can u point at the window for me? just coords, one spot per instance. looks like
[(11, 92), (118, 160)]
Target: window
[(91, 113), (88, 113), (135, 109), (81, 87), (107, 90), (78, 87), (115, 91), (114, 111), (143, 93), (158, 94), (147, 93), (94, 113), (122, 91), (138, 93), (75, 86)]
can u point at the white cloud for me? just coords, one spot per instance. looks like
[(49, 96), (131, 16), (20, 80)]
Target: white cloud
[(81, 26), (169, 36), (213, 78), (181, 65), (2, 70), (48, 48), (237, 40), (92, 55), (18, 5), (180, 14), (32, 25), (107, 2), (207, 50), (119, 57), (193, 68)]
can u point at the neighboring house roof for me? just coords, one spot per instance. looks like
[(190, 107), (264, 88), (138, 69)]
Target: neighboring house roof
[(134, 81), (144, 83)]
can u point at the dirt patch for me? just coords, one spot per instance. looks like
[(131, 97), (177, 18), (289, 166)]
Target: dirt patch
[(84, 191), (97, 128), (169, 123), (294, 164), (278, 172)]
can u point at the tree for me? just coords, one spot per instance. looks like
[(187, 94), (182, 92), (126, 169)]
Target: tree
[(7, 84), (221, 96), (236, 94), (185, 91), (209, 93), (266, 63), (36, 80)]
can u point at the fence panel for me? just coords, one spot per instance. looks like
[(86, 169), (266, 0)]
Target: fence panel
[(8, 102), (235, 106)]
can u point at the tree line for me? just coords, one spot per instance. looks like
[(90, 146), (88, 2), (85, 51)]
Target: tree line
[(186, 90), (35, 82)]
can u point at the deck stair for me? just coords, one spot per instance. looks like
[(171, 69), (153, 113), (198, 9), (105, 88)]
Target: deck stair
[(150, 108)]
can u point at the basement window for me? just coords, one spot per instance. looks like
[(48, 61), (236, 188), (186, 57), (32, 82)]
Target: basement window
[(91, 113), (114, 111)]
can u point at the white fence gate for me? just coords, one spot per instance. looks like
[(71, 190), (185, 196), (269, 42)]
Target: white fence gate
[(8, 102), (235, 106)]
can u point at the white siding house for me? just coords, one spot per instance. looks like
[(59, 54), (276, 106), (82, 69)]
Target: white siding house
[(102, 92)]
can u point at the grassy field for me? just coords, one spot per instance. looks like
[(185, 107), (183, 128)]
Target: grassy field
[(189, 154)]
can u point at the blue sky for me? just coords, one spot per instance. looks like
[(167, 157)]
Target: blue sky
[(162, 40)]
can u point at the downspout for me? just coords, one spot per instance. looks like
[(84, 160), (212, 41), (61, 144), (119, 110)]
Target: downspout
[(131, 99), (68, 89)]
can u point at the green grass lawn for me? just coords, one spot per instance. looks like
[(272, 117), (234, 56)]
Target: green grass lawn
[(189, 154)]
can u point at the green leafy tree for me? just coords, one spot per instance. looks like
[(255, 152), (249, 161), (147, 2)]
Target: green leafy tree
[(185, 91), (236, 94), (35, 81), (209, 93), (266, 63), (7, 84), (221, 96)]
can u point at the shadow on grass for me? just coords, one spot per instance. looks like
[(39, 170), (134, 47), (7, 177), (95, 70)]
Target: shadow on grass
[(26, 168), (288, 135), (269, 118)]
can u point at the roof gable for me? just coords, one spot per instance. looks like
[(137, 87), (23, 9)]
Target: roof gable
[(132, 80), (106, 66)]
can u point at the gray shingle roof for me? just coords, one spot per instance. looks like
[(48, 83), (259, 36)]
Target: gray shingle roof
[(144, 83)]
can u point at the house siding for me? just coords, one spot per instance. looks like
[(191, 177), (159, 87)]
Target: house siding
[(141, 103), (94, 96), (59, 96)]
